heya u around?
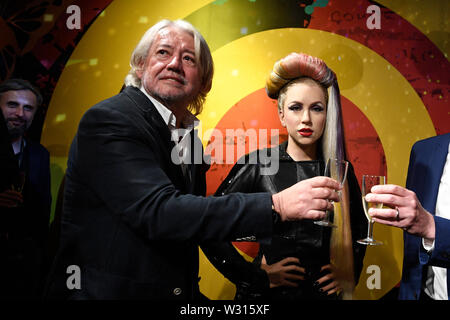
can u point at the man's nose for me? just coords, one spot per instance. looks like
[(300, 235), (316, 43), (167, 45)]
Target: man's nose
[(174, 63), (19, 111)]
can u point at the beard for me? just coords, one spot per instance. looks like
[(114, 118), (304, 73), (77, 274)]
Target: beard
[(15, 131), (167, 99), (167, 96)]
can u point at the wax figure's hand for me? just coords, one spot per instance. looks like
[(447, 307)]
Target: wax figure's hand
[(307, 199), (284, 272), (331, 287), (405, 210), (10, 198)]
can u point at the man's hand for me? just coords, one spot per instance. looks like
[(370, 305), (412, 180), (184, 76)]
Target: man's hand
[(307, 199), (10, 198), (411, 217), (281, 272)]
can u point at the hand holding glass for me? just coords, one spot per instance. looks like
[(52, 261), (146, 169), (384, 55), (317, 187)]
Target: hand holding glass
[(17, 186), (367, 183), (19, 182), (336, 169)]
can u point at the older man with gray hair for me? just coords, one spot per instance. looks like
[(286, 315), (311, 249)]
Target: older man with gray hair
[(132, 218)]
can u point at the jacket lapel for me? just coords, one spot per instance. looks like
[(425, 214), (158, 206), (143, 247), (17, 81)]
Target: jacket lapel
[(436, 162), (158, 128), (197, 166)]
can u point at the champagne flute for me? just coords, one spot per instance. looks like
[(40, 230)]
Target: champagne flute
[(336, 169), (18, 185), (367, 183), (19, 182)]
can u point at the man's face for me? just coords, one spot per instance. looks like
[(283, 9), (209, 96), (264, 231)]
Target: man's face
[(171, 72), (18, 108)]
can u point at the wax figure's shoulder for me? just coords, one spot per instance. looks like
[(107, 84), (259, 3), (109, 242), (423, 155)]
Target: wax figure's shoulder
[(257, 159), (247, 172)]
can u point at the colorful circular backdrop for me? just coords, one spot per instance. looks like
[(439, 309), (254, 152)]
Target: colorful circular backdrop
[(394, 85)]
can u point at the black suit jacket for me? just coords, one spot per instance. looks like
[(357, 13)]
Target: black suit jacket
[(24, 229), (131, 222)]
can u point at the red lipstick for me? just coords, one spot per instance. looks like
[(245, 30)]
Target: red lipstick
[(305, 132)]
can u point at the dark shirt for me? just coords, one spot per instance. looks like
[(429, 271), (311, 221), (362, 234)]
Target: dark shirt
[(24, 229)]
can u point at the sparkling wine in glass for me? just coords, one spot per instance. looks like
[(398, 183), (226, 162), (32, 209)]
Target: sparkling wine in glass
[(336, 169), (19, 182), (367, 183)]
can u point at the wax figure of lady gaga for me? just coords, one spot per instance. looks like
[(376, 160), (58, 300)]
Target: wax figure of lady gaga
[(303, 260)]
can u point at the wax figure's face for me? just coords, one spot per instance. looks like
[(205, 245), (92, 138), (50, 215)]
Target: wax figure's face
[(304, 113), (171, 72), (18, 108)]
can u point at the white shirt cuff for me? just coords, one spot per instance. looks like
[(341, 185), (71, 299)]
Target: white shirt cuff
[(428, 245)]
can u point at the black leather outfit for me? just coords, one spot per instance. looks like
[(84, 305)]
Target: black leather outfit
[(303, 239)]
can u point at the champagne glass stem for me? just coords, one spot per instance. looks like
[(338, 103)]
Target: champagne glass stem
[(370, 230)]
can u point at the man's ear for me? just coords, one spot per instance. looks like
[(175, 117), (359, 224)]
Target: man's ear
[(139, 72), (140, 69)]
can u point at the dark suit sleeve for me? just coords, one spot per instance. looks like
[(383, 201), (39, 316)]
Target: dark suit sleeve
[(414, 253), (411, 173), (440, 256), (45, 193), (121, 165), (38, 194)]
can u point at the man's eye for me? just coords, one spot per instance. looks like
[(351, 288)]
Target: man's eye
[(189, 59)]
